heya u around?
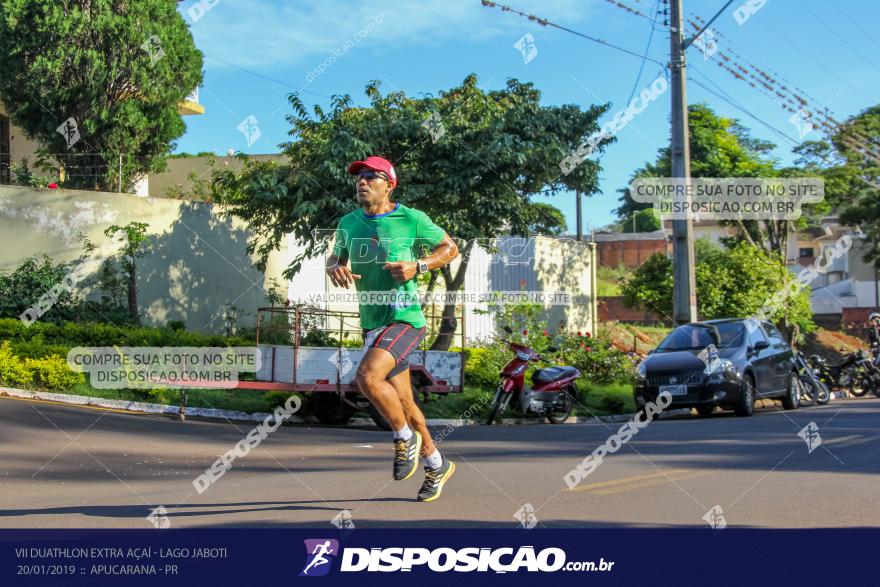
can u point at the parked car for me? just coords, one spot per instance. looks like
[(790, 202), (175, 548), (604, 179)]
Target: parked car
[(728, 363)]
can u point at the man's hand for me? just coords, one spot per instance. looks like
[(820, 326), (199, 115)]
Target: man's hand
[(402, 270), (341, 275)]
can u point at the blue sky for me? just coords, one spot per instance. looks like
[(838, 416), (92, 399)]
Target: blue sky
[(258, 51)]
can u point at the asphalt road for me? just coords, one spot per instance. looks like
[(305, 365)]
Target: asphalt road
[(64, 466)]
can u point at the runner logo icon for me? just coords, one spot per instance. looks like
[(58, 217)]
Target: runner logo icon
[(319, 554)]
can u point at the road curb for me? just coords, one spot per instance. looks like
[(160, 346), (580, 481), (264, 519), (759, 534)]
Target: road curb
[(140, 407), (236, 416), (571, 420)]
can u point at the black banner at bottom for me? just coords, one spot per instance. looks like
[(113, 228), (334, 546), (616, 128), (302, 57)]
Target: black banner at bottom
[(271, 557)]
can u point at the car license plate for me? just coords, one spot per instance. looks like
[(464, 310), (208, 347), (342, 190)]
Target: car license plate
[(674, 389)]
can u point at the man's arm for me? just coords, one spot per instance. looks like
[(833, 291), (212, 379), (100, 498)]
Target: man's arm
[(339, 273), (443, 254)]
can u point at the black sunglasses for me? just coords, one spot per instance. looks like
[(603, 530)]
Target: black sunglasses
[(370, 176)]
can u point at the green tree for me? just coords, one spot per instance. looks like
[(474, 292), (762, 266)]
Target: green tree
[(722, 147), (118, 69), (731, 283), (546, 220), (641, 221), (849, 162), (135, 243), (719, 147), (34, 278), (471, 159)]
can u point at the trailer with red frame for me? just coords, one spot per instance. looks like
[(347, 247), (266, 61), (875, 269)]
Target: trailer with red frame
[(317, 352)]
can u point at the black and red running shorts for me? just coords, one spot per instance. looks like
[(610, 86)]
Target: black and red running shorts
[(400, 339)]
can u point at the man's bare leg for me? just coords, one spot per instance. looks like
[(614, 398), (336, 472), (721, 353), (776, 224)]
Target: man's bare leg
[(414, 416), (371, 380), (438, 469)]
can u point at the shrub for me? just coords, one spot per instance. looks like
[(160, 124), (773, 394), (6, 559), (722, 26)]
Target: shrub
[(483, 364), (53, 373), (72, 334), (37, 348), (597, 359), (22, 175), (34, 278), (49, 372), (13, 370)]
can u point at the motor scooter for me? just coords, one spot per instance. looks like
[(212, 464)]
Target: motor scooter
[(553, 391)]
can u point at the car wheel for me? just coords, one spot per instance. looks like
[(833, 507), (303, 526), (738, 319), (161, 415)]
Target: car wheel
[(746, 404), (330, 409), (792, 398), (705, 410)]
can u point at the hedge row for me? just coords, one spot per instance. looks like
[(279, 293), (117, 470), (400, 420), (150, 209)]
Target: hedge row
[(71, 334), (49, 372)]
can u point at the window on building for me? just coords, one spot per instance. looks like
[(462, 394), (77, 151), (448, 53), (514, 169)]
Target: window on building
[(805, 252)]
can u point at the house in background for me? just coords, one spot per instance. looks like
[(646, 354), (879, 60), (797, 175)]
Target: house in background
[(707, 229), (849, 290), (842, 296), (14, 146)]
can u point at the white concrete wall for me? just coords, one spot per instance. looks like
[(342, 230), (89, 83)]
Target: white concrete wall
[(541, 264), (198, 264)]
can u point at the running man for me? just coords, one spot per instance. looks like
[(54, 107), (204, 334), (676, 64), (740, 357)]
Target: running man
[(320, 559), (383, 241)]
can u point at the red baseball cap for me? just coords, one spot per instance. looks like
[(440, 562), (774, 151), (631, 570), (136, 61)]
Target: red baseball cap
[(376, 164)]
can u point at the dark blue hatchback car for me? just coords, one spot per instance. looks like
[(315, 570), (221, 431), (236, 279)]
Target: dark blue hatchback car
[(728, 363)]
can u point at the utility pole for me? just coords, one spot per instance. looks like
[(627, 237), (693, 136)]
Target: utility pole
[(578, 221), (684, 294)]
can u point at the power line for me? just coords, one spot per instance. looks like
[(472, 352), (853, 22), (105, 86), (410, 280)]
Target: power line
[(266, 77), (647, 49), (827, 121), (545, 22), (690, 41), (739, 107), (855, 22), (630, 10), (836, 34), (723, 95), (813, 59)]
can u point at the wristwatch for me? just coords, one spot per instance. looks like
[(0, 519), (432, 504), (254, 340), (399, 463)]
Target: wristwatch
[(421, 267)]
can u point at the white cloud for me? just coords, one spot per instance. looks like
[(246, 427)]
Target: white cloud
[(266, 35)]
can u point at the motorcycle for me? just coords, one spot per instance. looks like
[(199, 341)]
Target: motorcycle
[(856, 374), (552, 395), (812, 389)]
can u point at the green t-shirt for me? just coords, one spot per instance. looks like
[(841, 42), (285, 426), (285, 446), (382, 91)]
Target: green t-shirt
[(368, 242)]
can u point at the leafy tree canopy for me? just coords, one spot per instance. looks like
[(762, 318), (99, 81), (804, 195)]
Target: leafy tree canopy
[(849, 162), (731, 283), (118, 69), (470, 158)]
